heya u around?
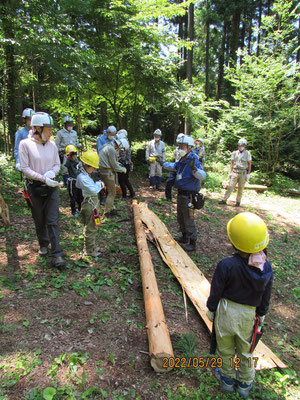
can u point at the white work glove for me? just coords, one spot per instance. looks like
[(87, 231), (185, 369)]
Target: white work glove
[(49, 174), (261, 319), (18, 166), (124, 170), (52, 183), (101, 184), (247, 177), (210, 315), (230, 175)]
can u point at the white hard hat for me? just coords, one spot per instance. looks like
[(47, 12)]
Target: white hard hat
[(200, 140), (42, 119), (111, 129), (186, 139), (67, 118), (157, 132), (242, 141), (122, 144), (180, 135), (121, 134), (27, 113)]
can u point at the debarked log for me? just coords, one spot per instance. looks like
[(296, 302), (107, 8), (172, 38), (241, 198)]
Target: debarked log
[(4, 213), (160, 346), (257, 188)]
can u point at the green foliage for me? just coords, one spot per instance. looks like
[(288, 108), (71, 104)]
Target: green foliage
[(186, 345)]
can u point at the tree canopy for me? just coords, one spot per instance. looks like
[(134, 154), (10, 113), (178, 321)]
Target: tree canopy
[(222, 71)]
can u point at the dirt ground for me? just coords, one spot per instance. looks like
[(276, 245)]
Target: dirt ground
[(97, 307)]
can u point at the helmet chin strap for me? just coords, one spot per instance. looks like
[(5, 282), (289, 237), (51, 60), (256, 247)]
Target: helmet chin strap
[(43, 137), (41, 134)]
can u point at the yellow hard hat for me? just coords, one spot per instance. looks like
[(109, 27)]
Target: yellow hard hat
[(248, 232), (152, 159), (91, 158), (70, 149)]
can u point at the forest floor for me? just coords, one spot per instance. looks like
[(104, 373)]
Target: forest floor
[(81, 331)]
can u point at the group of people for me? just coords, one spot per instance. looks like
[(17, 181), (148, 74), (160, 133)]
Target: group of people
[(86, 177), (241, 285)]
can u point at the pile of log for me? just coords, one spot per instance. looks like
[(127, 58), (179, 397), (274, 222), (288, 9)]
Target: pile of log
[(193, 280)]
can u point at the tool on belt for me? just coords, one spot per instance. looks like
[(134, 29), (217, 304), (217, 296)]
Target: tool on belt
[(257, 333), (27, 197), (96, 217), (198, 201)]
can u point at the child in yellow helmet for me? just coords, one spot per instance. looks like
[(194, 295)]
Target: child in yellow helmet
[(240, 291), (90, 190)]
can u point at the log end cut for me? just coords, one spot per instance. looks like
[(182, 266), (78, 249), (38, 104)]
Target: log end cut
[(160, 362)]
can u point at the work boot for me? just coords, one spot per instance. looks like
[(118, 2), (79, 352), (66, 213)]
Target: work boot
[(96, 254), (190, 246), (243, 389), (43, 251), (227, 385), (182, 239), (112, 213), (237, 204), (222, 202), (58, 262)]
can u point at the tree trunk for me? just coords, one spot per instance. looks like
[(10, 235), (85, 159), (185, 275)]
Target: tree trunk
[(189, 68), (160, 346), (235, 37), (259, 24), (250, 34), (11, 78), (207, 51), (298, 51), (189, 64), (220, 80), (242, 39)]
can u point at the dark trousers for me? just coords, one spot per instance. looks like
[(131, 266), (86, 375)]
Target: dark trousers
[(124, 182), (45, 213), (75, 195), (169, 184), (185, 217)]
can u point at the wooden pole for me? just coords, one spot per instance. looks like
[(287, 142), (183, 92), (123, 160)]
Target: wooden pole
[(160, 346)]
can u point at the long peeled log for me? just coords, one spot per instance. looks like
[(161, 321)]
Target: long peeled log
[(160, 346)]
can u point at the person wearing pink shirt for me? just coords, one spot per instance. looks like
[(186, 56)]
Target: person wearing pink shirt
[(39, 161)]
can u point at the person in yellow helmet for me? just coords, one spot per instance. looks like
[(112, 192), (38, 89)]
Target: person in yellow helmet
[(72, 164), (89, 209), (240, 291)]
